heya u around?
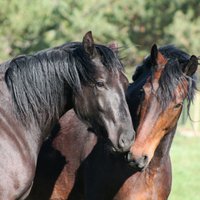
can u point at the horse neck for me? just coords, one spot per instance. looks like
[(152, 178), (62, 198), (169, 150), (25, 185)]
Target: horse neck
[(162, 151), (160, 165), (40, 102), (51, 121)]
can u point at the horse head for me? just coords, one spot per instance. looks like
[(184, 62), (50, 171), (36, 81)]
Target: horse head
[(165, 88), (102, 103)]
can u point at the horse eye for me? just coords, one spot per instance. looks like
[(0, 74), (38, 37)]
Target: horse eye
[(178, 105), (100, 84)]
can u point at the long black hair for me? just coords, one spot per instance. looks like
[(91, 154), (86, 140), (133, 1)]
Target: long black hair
[(37, 81)]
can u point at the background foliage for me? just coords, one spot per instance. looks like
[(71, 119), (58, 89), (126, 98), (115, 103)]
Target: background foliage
[(29, 26)]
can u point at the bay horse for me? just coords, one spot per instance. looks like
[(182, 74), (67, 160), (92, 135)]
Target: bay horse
[(155, 98), (36, 90)]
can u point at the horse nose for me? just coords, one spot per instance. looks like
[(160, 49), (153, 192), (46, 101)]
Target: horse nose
[(138, 163), (125, 141)]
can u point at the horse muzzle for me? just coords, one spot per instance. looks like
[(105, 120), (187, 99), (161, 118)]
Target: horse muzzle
[(139, 163)]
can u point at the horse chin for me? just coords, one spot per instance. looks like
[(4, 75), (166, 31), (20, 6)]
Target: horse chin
[(115, 150), (111, 148)]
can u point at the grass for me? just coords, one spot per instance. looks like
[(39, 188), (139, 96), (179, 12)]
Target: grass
[(185, 155)]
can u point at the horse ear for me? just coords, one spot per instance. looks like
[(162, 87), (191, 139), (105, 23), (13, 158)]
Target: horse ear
[(88, 44), (114, 47), (161, 60), (156, 57), (154, 54), (191, 66)]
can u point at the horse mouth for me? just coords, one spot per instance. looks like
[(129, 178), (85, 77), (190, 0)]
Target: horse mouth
[(136, 166)]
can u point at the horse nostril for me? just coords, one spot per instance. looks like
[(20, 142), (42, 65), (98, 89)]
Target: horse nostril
[(125, 141), (137, 162), (129, 157), (145, 158), (122, 143), (142, 162), (133, 137)]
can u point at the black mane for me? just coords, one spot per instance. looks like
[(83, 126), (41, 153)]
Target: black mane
[(171, 76), (37, 81), (169, 51)]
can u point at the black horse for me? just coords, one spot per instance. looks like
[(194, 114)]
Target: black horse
[(37, 90)]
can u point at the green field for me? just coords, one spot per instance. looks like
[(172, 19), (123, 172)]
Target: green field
[(185, 155)]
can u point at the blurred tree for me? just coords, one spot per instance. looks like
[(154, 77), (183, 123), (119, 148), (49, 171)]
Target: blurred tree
[(28, 26), (23, 26), (184, 31)]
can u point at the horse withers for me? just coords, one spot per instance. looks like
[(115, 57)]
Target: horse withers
[(36, 90)]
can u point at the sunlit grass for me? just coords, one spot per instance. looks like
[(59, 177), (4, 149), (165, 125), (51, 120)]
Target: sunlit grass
[(185, 155)]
